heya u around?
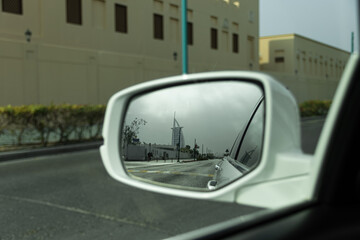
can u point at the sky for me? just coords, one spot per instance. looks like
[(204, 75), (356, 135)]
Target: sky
[(328, 21), (211, 113), (213, 118)]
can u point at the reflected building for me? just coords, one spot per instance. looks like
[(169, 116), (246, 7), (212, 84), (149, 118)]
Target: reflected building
[(177, 135)]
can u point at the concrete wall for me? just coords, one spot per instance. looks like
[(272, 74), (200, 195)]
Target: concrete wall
[(52, 74), (139, 153), (309, 88), (87, 63), (310, 69)]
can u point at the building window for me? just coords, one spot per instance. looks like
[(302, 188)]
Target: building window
[(121, 18), (225, 41), (158, 26), (73, 11), (251, 48), (214, 38), (12, 6), (174, 30), (235, 43), (98, 14), (190, 36), (279, 59)]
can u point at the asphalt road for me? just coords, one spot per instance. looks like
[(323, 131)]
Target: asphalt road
[(310, 132), (188, 173), (70, 196)]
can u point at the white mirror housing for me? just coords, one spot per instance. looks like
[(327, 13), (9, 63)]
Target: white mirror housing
[(282, 164)]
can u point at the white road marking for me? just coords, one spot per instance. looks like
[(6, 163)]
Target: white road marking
[(171, 172), (81, 211)]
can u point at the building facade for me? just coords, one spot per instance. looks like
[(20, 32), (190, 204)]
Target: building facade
[(141, 152), (310, 69), (83, 51), (177, 136)]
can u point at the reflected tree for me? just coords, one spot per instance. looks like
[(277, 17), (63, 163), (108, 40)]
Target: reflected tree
[(131, 131)]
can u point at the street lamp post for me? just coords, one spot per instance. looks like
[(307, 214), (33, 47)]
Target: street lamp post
[(179, 144), (184, 37)]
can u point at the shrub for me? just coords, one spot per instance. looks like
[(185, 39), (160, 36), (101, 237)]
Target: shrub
[(314, 108), (79, 122)]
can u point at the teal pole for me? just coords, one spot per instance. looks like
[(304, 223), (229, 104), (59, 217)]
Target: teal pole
[(352, 42), (184, 37)]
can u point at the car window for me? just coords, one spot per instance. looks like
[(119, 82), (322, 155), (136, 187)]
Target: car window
[(240, 137), (251, 146), (61, 61)]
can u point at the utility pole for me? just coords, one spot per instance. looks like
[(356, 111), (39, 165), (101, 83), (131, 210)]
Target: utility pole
[(195, 149), (184, 37), (352, 42), (179, 144)]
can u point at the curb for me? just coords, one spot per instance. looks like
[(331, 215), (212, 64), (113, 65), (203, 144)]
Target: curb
[(305, 119), (11, 155), (28, 153)]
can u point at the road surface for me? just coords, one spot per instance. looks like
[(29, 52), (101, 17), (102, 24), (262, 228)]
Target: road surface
[(70, 196), (193, 174)]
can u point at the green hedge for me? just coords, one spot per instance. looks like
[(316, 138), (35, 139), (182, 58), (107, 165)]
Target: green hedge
[(67, 122), (62, 122), (314, 108)]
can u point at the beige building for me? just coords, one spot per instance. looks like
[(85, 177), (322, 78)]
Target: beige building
[(83, 51), (310, 69)]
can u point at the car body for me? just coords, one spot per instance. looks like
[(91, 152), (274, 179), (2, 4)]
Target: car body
[(246, 151), (290, 184)]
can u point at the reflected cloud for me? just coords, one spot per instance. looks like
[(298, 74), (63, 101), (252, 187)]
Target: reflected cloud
[(212, 113)]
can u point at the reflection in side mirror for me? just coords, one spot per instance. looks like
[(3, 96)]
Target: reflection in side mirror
[(180, 136)]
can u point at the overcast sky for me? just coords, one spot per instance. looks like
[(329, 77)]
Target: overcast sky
[(328, 21), (215, 119), (213, 113)]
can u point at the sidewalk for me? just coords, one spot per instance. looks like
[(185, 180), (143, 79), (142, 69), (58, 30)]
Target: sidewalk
[(305, 119), (27, 153)]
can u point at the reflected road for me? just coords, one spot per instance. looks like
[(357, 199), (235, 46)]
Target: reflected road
[(188, 173)]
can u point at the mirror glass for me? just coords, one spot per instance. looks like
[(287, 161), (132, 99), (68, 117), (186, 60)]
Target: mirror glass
[(190, 136)]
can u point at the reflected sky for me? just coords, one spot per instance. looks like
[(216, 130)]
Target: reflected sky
[(212, 113)]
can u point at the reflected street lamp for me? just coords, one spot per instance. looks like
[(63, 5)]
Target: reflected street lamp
[(179, 145)]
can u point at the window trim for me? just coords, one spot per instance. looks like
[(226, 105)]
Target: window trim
[(70, 18), (120, 19), (19, 12), (214, 38), (158, 27), (235, 43), (190, 33), (279, 59), (260, 103)]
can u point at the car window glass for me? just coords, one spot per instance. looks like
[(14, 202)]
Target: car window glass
[(250, 148), (61, 61)]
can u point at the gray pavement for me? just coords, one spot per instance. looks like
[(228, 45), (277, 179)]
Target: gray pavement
[(310, 132), (70, 196), (194, 174), (43, 151), (308, 126)]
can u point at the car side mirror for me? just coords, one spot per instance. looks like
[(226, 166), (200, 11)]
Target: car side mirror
[(155, 132)]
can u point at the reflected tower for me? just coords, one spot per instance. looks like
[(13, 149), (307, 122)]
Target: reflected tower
[(177, 134)]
